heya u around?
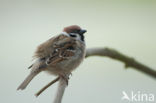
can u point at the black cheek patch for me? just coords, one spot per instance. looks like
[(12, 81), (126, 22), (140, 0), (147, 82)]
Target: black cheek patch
[(82, 37)]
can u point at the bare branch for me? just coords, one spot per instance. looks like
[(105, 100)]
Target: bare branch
[(129, 62), (60, 90), (45, 87), (111, 53)]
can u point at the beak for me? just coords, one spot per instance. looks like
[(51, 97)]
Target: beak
[(82, 31)]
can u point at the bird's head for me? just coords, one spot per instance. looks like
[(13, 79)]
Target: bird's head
[(75, 31)]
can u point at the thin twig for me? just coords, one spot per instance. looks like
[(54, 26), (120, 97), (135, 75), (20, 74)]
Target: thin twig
[(45, 87), (129, 62)]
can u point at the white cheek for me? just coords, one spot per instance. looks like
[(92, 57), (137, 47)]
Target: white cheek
[(64, 33), (78, 37)]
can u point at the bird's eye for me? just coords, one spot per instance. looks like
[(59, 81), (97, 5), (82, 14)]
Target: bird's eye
[(72, 35)]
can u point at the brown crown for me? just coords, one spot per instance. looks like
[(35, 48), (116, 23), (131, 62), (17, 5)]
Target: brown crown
[(71, 28)]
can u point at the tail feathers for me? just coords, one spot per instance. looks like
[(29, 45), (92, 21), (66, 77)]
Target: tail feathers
[(27, 81)]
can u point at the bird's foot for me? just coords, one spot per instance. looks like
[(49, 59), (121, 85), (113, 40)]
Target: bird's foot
[(65, 77)]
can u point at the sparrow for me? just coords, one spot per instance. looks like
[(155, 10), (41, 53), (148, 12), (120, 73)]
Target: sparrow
[(59, 55)]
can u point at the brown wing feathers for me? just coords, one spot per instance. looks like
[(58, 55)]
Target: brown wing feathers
[(56, 49), (62, 52)]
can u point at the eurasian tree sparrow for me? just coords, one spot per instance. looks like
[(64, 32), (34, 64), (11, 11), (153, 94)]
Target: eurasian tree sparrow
[(59, 55)]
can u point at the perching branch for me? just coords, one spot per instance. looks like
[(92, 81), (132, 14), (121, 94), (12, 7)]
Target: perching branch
[(129, 62), (60, 90), (111, 53), (45, 87)]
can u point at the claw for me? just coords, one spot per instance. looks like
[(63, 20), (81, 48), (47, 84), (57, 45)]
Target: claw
[(70, 74), (66, 78)]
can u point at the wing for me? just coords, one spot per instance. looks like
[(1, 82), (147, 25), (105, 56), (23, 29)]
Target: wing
[(55, 50), (63, 50)]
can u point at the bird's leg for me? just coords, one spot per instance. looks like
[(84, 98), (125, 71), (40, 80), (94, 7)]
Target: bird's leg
[(65, 77), (70, 74)]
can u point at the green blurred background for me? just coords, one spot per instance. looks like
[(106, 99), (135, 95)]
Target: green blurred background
[(126, 25)]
